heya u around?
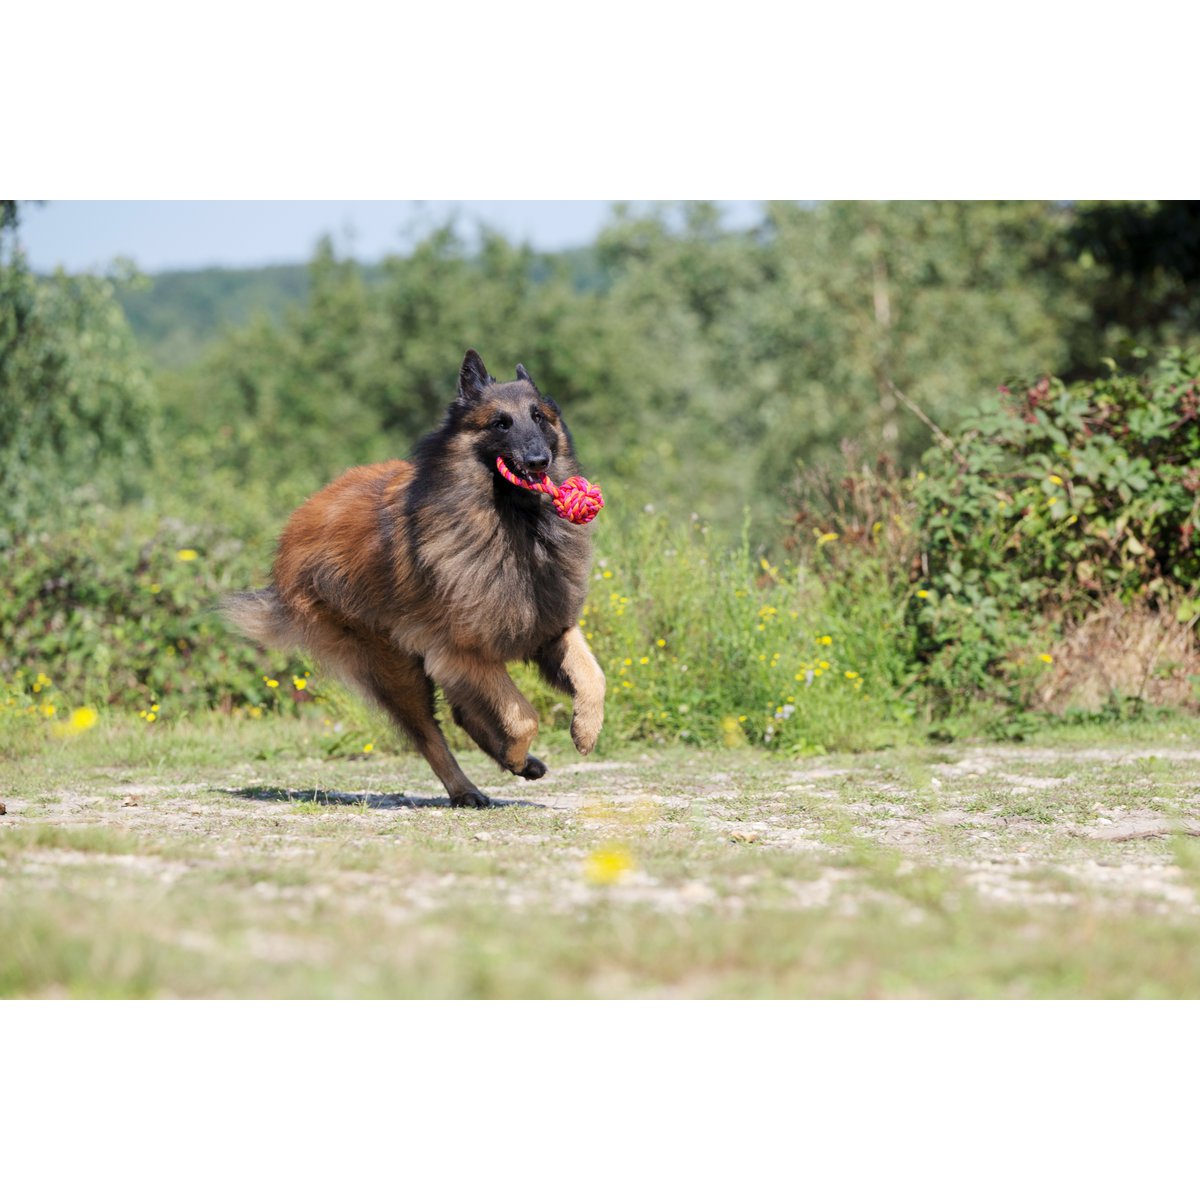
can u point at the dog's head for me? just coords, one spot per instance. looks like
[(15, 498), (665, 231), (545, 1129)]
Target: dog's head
[(513, 421)]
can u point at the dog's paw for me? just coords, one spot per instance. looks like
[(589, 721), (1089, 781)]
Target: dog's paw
[(534, 768), (470, 799), (585, 730)]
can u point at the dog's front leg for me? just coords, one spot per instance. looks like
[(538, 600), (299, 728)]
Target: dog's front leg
[(569, 665), (489, 706)]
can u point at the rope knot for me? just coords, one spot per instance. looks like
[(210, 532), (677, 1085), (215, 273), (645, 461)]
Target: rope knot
[(575, 500)]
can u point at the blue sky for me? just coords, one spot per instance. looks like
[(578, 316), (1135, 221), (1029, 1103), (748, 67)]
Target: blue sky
[(82, 235)]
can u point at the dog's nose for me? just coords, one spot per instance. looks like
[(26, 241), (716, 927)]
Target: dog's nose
[(537, 462)]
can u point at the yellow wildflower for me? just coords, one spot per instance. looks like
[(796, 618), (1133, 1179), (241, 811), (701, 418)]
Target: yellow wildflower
[(1046, 658), (299, 683), (186, 555), (608, 864), (368, 747)]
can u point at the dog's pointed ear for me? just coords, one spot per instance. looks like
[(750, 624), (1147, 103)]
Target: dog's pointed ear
[(525, 375), (473, 377)]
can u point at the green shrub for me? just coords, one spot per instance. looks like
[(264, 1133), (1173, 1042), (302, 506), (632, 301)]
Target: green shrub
[(1052, 498), (121, 610)]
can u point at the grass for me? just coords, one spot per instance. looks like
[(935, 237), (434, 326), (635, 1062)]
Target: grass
[(217, 857)]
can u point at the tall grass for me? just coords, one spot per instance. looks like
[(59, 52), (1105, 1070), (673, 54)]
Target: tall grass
[(714, 644)]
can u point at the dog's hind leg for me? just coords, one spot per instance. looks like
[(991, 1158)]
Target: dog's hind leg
[(569, 665), (489, 706), (397, 682)]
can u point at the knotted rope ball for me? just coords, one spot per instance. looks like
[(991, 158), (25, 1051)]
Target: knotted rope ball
[(575, 500)]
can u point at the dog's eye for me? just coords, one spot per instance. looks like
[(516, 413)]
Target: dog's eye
[(502, 422), (539, 416)]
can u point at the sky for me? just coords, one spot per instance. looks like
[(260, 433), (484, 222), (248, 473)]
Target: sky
[(160, 235)]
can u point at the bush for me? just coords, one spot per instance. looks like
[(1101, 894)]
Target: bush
[(122, 611), (1053, 499)]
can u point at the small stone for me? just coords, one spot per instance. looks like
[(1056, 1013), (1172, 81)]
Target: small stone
[(129, 802), (483, 837), (3, 810)]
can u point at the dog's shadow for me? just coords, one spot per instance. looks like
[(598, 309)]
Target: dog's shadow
[(334, 799)]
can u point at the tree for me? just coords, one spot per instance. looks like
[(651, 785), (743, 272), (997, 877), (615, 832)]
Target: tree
[(76, 410)]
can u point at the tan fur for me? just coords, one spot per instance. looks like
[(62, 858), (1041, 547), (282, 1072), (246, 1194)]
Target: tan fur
[(403, 575)]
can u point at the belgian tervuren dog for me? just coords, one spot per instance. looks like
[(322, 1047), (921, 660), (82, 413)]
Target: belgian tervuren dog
[(403, 575)]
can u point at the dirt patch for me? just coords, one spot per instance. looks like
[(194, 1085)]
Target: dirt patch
[(366, 871)]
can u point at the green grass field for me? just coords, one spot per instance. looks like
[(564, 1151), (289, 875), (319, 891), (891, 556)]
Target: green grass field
[(220, 858)]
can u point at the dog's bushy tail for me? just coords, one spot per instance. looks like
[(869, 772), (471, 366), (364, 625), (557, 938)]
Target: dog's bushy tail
[(261, 616)]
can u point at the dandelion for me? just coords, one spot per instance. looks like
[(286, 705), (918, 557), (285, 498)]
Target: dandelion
[(81, 719), (1046, 658), (825, 640), (731, 732), (661, 643), (1056, 480), (186, 555), (48, 710), (299, 683), (606, 575), (608, 864), (922, 594), (643, 660), (823, 538), (368, 747), (271, 683), (851, 674)]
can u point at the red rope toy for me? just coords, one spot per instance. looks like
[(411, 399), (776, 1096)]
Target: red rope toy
[(576, 500)]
